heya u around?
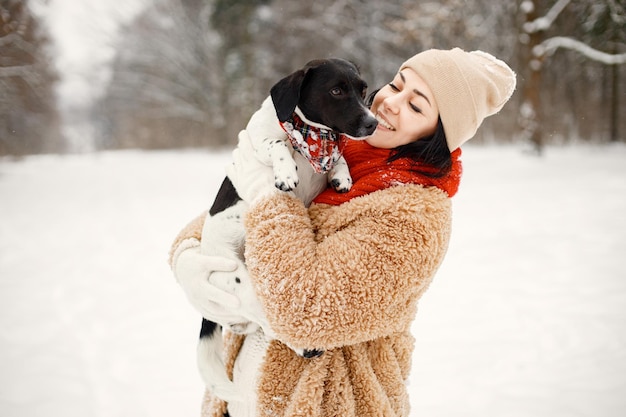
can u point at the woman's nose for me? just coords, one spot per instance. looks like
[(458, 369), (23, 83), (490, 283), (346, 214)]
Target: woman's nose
[(390, 104)]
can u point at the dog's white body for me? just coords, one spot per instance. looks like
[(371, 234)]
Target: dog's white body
[(224, 235), (331, 91), (272, 148)]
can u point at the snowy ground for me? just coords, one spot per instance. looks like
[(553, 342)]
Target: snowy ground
[(526, 318)]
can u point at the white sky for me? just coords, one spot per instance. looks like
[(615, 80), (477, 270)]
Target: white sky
[(83, 31)]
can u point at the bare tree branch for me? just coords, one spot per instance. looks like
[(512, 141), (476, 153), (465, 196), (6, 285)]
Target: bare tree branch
[(548, 47), (543, 23)]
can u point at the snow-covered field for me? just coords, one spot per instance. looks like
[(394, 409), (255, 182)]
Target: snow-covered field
[(526, 318)]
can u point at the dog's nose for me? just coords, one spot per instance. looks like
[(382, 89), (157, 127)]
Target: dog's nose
[(369, 125)]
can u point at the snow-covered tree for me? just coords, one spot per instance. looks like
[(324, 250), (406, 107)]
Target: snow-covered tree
[(542, 35), (191, 72), (163, 90), (29, 121)]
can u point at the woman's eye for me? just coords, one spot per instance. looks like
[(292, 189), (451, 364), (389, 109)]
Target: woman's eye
[(415, 108), (393, 87)]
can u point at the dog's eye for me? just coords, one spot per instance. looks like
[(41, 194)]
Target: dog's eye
[(336, 91), (363, 92)]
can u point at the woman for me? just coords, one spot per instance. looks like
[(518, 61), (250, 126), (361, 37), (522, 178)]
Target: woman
[(344, 275)]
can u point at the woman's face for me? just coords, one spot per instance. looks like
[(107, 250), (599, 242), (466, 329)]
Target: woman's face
[(406, 111)]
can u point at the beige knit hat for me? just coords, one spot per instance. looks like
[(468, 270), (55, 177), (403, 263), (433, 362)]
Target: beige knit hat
[(468, 86)]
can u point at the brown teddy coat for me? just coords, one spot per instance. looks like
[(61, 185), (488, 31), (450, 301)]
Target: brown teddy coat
[(345, 279)]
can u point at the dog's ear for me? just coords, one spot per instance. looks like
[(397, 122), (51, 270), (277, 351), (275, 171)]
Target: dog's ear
[(286, 93), (356, 67)]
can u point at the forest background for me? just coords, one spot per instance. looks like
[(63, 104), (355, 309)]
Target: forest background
[(189, 73)]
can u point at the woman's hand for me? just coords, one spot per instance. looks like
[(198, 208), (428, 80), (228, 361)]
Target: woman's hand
[(193, 270)]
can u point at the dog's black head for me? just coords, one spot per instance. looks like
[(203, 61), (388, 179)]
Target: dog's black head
[(327, 91)]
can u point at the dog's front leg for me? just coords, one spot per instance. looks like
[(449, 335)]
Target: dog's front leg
[(270, 145), (285, 169), (339, 177)]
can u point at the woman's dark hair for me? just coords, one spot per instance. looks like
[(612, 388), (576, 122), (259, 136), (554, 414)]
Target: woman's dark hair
[(432, 150)]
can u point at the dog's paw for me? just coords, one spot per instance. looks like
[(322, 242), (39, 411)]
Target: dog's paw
[(286, 176), (341, 185), (227, 392), (243, 328), (287, 184)]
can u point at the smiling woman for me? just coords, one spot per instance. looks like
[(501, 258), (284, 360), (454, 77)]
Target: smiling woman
[(398, 126), (344, 276)]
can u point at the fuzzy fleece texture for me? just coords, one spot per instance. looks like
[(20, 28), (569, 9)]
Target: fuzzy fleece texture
[(345, 279), (192, 231), (332, 276)]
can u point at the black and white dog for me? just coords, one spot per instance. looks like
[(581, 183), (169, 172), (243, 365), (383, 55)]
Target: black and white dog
[(301, 124)]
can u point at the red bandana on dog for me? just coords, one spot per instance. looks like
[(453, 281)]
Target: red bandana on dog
[(371, 172), (321, 147)]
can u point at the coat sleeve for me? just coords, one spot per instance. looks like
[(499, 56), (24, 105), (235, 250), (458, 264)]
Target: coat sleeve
[(191, 232), (333, 276)]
